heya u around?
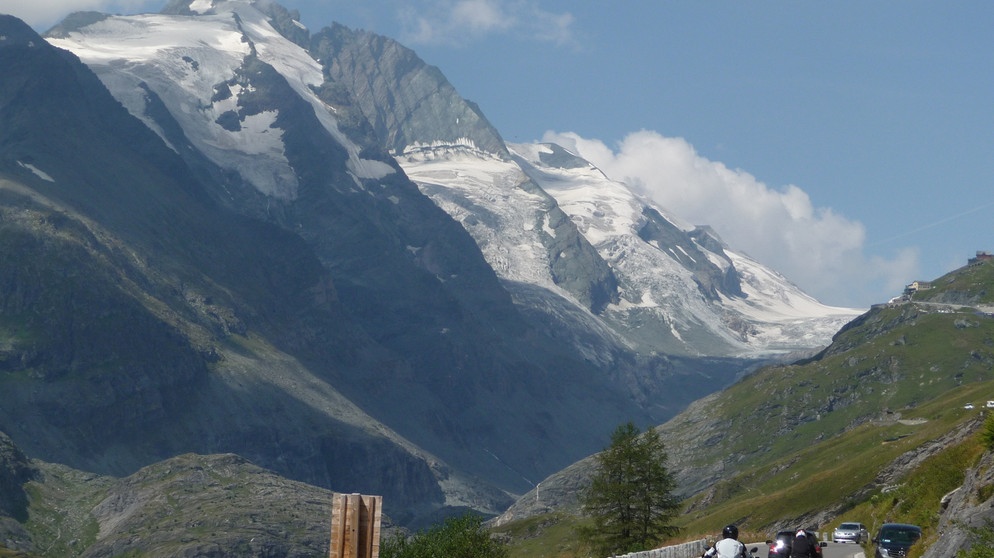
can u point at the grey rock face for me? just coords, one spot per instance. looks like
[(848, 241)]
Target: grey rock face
[(962, 511), (15, 470), (576, 265), (711, 280), (406, 100)]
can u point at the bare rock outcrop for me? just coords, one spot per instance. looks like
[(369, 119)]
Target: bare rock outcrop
[(968, 507)]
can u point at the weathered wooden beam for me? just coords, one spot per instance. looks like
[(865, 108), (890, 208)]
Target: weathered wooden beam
[(355, 526)]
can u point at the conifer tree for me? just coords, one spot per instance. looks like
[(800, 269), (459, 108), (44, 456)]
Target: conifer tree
[(630, 498)]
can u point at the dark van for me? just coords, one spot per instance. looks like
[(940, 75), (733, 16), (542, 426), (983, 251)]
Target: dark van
[(894, 539)]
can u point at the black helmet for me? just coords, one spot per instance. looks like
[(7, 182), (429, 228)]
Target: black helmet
[(730, 532)]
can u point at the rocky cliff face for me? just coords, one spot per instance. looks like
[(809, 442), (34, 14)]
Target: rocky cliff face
[(15, 471), (969, 508), (407, 101)]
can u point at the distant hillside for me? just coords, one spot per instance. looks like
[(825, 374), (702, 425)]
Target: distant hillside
[(970, 286), (882, 367), (190, 505), (884, 398)]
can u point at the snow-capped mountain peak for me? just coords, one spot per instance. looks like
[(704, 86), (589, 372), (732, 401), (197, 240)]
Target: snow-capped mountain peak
[(679, 289), (680, 278), (198, 67), (562, 235)]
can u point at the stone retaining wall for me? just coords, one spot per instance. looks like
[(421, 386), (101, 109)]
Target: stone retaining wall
[(692, 549)]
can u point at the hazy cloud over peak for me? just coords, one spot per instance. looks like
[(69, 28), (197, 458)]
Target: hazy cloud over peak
[(815, 247), (46, 13), (460, 21), (423, 22), (480, 16)]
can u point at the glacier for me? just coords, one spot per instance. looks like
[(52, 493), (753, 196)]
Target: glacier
[(661, 307)]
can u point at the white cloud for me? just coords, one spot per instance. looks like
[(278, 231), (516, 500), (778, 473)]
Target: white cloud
[(480, 16), (457, 22), (818, 249), (553, 28), (42, 14)]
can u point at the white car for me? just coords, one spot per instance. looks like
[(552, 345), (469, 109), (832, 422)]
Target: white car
[(850, 532)]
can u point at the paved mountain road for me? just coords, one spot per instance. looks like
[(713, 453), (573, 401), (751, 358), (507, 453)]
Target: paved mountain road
[(833, 550), (840, 550)]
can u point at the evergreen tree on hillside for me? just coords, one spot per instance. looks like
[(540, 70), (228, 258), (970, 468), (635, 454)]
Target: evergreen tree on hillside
[(630, 498)]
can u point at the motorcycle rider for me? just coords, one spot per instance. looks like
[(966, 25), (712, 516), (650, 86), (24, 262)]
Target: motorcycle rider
[(729, 545), (803, 546)]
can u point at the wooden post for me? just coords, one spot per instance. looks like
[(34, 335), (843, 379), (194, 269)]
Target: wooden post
[(355, 526)]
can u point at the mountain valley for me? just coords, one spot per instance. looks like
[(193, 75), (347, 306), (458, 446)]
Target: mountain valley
[(244, 262)]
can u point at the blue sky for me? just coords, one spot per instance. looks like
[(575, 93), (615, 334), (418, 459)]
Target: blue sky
[(848, 145)]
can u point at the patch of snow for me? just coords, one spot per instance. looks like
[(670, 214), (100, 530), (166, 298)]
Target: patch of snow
[(601, 212), (661, 304), (369, 168), (38, 172), (675, 333), (780, 311), (680, 248), (716, 260), (770, 296), (547, 228)]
